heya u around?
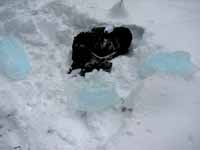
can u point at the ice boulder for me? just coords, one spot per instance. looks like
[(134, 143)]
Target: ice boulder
[(93, 95), (13, 59), (175, 63)]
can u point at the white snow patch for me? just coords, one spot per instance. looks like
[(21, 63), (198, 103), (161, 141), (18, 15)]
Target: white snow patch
[(34, 113)]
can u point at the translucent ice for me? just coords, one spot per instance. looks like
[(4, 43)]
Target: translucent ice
[(177, 63), (93, 95), (13, 60)]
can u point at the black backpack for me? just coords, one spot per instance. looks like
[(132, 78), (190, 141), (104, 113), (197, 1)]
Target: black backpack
[(94, 49)]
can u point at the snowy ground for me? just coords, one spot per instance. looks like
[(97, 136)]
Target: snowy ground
[(34, 113)]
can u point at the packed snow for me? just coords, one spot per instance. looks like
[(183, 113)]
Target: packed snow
[(40, 112)]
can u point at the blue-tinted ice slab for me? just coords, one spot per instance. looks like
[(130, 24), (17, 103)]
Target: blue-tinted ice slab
[(97, 97), (93, 95), (176, 63), (13, 59)]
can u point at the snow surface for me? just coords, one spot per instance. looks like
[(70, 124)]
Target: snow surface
[(35, 113)]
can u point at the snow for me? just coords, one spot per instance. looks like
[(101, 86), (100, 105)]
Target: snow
[(109, 29), (35, 113), (118, 10)]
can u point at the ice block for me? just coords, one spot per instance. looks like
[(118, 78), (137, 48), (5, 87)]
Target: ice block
[(14, 62), (176, 63)]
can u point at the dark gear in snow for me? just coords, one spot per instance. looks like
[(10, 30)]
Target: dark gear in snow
[(94, 49)]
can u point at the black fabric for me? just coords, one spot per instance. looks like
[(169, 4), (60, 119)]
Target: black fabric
[(94, 49)]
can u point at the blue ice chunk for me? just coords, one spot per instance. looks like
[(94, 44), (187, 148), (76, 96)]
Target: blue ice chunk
[(94, 96), (13, 59), (176, 63)]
